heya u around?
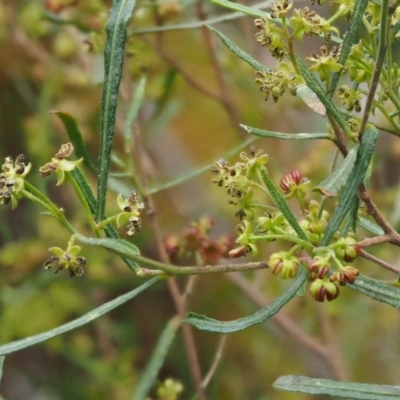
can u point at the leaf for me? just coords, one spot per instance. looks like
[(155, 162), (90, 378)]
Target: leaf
[(281, 204), (350, 192), (212, 325), (75, 136), (241, 8), (120, 12), (118, 246), (2, 358), (286, 136), (370, 226), (134, 108), (239, 52), (90, 316), (349, 390), (339, 177), (311, 99), (352, 34), (377, 290), (191, 174), (316, 87), (149, 374)]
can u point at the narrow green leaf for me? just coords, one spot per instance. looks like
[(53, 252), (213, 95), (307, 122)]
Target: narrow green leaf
[(191, 174), (377, 290), (90, 316), (92, 204), (239, 52), (286, 136), (349, 390), (241, 8), (75, 136), (149, 375), (2, 358), (370, 226), (350, 192), (352, 35), (316, 87), (120, 12), (118, 246), (281, 204), (134, 108), (339, 177), (209, 324)]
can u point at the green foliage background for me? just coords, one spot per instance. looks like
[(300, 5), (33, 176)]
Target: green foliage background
[(47, 65)]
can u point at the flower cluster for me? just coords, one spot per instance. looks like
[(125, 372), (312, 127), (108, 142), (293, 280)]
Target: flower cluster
[(196, 240), (130, 214), (350, 98), (67, 259), (59, 164), (12, 180), (275, 82)]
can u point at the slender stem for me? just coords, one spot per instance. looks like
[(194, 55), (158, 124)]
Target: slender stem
[(33, 194), (383, 44), (375, 240), (289, 238), (195, 270), (380, 262)]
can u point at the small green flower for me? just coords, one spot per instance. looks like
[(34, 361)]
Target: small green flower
[(245, 239), (294, 185), (67, 259), (324, 63), (309, 23), (130, 213), (272, 224), (230, 177), (59, 164), (318, 267), (346, 249), (350, 98), (12, 180), (284, 264), (253, 162)]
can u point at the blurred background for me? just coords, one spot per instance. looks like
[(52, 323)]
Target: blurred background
[(196, 94)]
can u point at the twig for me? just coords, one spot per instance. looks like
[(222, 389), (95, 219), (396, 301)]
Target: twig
[(178, 299), (226, 99), (217, 359), (380, 262), (375, 240)]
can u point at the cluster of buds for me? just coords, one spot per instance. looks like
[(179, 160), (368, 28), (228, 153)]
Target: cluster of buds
[(67, 259), (130, 214), (59, 164), (350, 98), (12, 179), (196, 240)]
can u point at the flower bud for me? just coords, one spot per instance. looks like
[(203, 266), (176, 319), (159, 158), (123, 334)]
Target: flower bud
[(322, 289), (284, 264), (345, 275)]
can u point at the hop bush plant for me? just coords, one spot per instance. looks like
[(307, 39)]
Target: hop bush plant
[(313, 232)]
